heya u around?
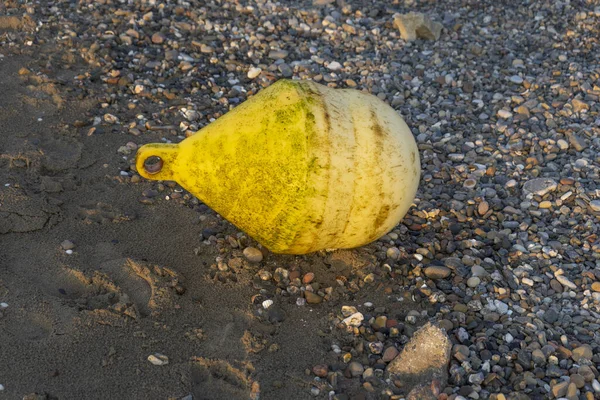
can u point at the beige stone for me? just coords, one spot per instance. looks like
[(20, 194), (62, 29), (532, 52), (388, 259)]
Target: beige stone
[(414, 26)]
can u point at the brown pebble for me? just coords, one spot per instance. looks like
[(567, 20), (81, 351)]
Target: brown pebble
[(545, 204), (437, 272), (158, 38), (483, 208), (312, 298), (253, 254), (135, 179), (389, 354), (596, 286), (24, 71), (308, 278), (320, 370), (567, 181)]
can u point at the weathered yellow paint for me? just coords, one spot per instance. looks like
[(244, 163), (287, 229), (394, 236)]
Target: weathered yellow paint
[(300, 167)]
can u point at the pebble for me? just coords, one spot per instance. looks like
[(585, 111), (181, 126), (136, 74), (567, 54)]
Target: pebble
[(267, 303), (254, 72), (595, 205), (253, 254), (356, 368), (563, 280), (3, 305), (504, 114), (583, 352), (308, 278), (540, 186), (320, 370), (312, 298), (437, 272), (596, 286), (158, 359), (473, 282), (355, 319), (67, 245), (334, 66), (560, 389), (516, 79), (389, 354)]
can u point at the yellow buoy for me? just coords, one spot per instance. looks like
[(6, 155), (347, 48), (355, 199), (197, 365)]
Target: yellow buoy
[(299, 167)]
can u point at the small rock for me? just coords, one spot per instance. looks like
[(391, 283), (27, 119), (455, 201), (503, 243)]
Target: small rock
[(579, 105), (565, 282), (540, 186), (483, 208), (67, 245), (578, 380), (320, 370), (254, 72), (158, 38), (417, 25), (308, 278), (312, 298), (479, 271), (505, 114), (516, 79), (596, 286), (334, 66), (389, 354), (560, 389), (355, 319), (538, 357), (437, 272), (158, 359), (583, 352), (595, 205), (393, 253), (278, 54), (253, 254), (562, 144), (473, 282), (206, 49), (551, 316), (356, 368), (424, 358)]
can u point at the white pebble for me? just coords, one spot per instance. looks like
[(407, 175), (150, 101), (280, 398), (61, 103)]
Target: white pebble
[(267, 303), (508, 338), (504, 114), (254, 72), (527, 281), (69, 251), (596, 386), (355, 319), (566, 282), (158, 359), (1, 387), (3, 305), (334, 66), (300, 301)]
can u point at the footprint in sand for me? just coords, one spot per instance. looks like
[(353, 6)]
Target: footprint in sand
[(149, 287), (102, 213), (121, 286), (32, 326), (217, 379)]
